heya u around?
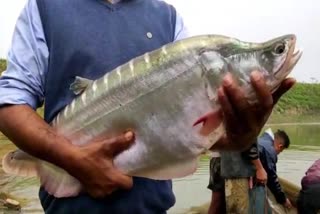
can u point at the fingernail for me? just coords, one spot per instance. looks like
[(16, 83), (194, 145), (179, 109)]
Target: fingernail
[(128, 135), (256, 75), (227, 80)]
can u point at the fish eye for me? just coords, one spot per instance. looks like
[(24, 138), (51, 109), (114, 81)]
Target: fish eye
[(279, 48)]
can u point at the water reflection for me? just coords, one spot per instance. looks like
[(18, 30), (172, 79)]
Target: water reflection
[(300, 133), (191, 190)]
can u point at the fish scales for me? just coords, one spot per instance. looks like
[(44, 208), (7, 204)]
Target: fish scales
[(132, 86), (168, 97)]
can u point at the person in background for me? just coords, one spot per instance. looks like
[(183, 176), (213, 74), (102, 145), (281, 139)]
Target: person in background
[(255, 166), (309, 197), (216, 185), (234, 170), (55, 41), (269, 146)]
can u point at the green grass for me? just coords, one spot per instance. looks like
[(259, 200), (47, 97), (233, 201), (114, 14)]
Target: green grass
[(302, 98), (300, 104), (3, 65)]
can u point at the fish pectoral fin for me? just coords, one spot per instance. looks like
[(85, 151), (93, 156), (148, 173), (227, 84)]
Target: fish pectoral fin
[(79, 85), (210, 122), (20, 163)]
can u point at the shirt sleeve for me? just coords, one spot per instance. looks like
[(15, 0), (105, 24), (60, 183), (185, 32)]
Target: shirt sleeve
[(27, 61), (273, 183), (252, 153), (181, 30)]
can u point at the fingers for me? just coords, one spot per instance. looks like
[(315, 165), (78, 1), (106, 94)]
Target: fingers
[(100, 193), (235, 105), (117, 181), (263, 93), (119, 143), (225, 104), (123, 181), (221, 145), (226, 107), (235, 93), (284, 87), (243, 120), (288, 204), (224, 144), (261, 181)]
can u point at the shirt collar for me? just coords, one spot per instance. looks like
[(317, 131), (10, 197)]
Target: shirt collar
[(270, 133), (115, 1)]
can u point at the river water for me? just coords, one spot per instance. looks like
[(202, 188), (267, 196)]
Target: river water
[(192, 190)]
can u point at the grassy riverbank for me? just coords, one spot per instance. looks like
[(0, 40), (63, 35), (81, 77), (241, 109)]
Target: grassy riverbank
[(300, 104)]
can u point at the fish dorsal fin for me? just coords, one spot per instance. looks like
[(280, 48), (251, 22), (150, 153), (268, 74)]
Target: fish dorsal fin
[(79, 85)]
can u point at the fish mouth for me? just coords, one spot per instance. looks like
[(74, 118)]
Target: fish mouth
[(294, 59), (293, 56)]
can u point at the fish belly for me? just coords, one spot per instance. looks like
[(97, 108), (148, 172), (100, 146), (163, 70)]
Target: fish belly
[(167, 145), (161, 108)]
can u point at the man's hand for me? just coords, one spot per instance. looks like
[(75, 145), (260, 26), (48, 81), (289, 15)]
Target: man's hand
[(243, 122), (261, 176), (93, 165), (287, 204)]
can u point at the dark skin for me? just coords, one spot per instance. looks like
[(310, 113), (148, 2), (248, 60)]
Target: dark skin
[(243, 122), (218, 203), (92, 164)]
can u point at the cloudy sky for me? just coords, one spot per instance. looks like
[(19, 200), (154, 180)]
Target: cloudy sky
[(249, 20)]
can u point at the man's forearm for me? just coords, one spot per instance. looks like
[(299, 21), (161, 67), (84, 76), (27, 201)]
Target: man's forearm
[(28, 131), (275, 187), (257, 164)]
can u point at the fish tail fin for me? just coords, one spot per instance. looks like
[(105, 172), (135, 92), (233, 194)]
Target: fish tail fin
[(20, 163), (57, 181)]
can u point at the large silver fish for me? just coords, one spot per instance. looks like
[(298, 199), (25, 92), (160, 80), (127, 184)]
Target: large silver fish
[(168, 97)]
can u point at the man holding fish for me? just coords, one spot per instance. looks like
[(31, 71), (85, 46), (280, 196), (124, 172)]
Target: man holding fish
[(56, 41)]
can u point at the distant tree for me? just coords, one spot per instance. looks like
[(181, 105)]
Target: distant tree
[(314, 80)]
